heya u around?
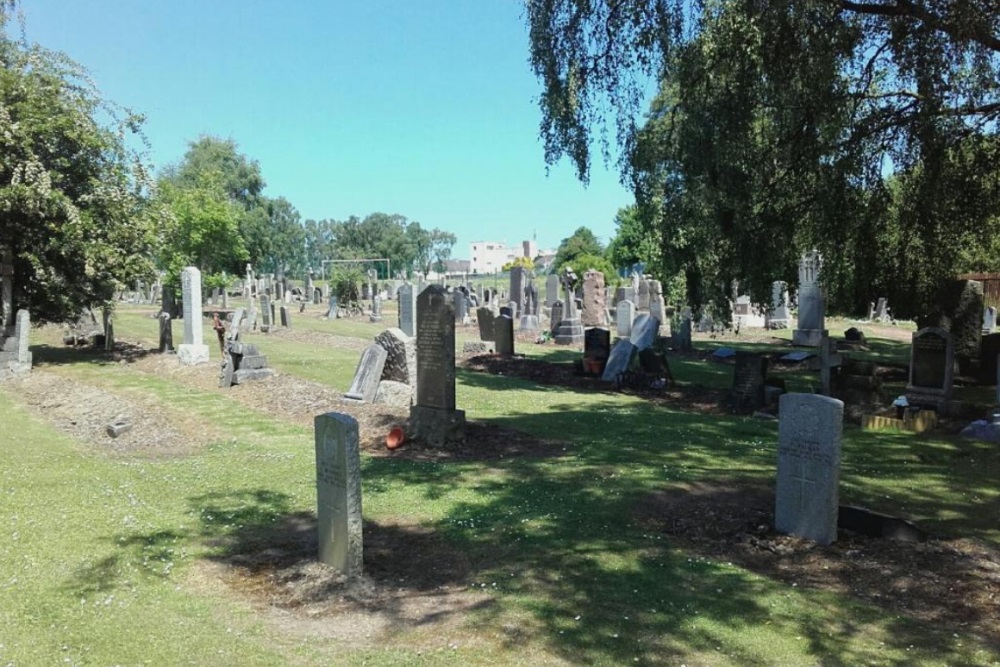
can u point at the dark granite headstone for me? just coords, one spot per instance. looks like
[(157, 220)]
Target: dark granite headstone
[(503, 335), (749, 376)]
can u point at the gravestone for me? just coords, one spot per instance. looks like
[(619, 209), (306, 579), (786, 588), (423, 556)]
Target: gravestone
[(882, 310), (6, 292), (401, 357), (645, 330), (408, 309), (680, 337), (597, 344), (376, 315), (331, 308), (624, 317), (193, 350), (338, 493), (620, 359), (779, 316), (503, 335), (812, 304), (461, 306), (485, 318), (266, 313), (286, 317), (807, 493), (507, 311), (569, 331), (551, 290), (434, 417), (252, 314), (594, 309), (745, 315), (555, 317), (15, 353), (518, 281), (989, 320), (529, 317), (642, 295), (367, 375), (166, 333), (749, 377), (656, 306), (932, 365)]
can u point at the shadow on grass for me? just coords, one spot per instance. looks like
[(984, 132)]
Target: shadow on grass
[(68, 356)]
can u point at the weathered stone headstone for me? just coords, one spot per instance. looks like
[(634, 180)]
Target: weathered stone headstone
[(518, 281), (15, 352), (331, 308), (645, 330), (680, 336), (807, 494), (376, 315), (932, 364), (642, 295), (367, 375), (551, 290), (656, 306), (461, 306), (338, 493), (166, 333), (503, 335), (193, 350), (401, 357), (286, 317), (555, 317), (989, 320), (812, 303), (594, 308), (882, 310), (6, 291), (485, 318), (624, 317), (266, 313), (779, 316), (408, 309), (619, 360), (252, 314), (749, 376), (434, 417)]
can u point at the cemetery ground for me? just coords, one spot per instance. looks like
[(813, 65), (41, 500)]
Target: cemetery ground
[(577, 524)]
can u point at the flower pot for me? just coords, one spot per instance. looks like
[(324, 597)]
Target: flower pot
[(395, 438)]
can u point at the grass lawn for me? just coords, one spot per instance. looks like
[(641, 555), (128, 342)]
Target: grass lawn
[(112, 559)]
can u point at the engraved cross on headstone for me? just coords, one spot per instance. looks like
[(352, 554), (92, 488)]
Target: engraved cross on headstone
[(802, 479)]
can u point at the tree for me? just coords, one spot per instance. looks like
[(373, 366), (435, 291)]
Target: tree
[(441, 245), (72, 194), (583, 263), (636, 240), (525, 262), (778, 128), (422, 246), (581, 242)]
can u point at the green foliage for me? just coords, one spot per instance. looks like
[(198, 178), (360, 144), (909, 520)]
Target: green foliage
[(72, 194), (581, 242), (345, 283), (636, 240), (583, 263), (777, 128), (441, 245)]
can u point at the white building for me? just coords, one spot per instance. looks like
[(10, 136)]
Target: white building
[(490, 256)]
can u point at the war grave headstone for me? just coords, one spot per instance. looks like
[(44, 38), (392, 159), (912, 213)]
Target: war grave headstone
[(551, 290), (812, 303), (932, 364), (503, 336), (434, 418), (809, 439), (338, 493), (193, 350), (779, 316), (570, 328), (624, 317), (593, 300)]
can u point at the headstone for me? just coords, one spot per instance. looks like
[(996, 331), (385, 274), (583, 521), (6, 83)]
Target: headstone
[(331, 308), (107, 316), (745, 315), (645, 331), (518, 281), (401, 357), (166, 333), (485, 318), (932, 364), (555, 317), (266, 313), (193, 350), (656, 306), (15, 352), (882, 310), (642, 295), (779, 316), (989, 320), (619, 360), (376, 315), (434, 417), (596, 343), (680, 337), (503, 335), (593, 300), (6, 291), (551, 290), (812, 304), (570, 329), (624, 317), (286, 317), (461, 306), (807, 494), (367, 375), (408, 309), (749, 376), (338, 493), (252, 314)]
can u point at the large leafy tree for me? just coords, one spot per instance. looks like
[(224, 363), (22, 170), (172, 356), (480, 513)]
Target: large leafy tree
[(580, 242), (853, 127), (72, 192)]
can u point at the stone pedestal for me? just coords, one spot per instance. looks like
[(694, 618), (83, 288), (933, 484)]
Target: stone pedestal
[(569, 332), (192, 354), (437, 426)]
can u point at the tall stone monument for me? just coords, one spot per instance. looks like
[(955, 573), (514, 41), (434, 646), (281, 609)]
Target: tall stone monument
[(193, 350), (518, 281), (812, 304), (778, 316), (434, 418), (594, 306), (807, 494), (338, 493), (570, 329), (408, 309)]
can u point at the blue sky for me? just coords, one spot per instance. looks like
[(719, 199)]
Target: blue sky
[(424, 108)]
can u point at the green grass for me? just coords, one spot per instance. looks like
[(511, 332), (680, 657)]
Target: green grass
[(94, 545)]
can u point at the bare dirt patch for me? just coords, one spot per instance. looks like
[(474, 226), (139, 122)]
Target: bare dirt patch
[(84, 412), (413, 579), (952, 582)]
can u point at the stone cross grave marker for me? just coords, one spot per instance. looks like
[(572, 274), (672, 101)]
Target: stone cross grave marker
[(828, 359), (338, 493), (807, 494), (193, 350)]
